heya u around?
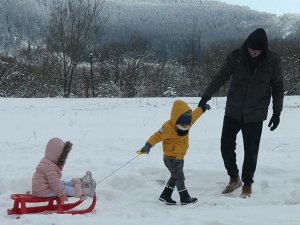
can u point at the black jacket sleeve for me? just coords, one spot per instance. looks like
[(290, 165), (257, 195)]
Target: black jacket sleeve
[(277, 86)]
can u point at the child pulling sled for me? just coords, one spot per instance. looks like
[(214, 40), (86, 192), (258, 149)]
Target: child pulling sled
[(174, 134)]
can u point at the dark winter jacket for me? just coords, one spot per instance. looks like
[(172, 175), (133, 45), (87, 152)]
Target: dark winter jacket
[(249, 92)]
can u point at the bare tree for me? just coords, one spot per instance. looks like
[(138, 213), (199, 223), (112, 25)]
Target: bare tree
[(193, 49), (74, 25)]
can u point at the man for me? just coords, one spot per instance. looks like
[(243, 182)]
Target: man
[(256, 75)]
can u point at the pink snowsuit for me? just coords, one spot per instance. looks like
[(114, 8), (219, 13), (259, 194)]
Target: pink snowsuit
[(46, 178)]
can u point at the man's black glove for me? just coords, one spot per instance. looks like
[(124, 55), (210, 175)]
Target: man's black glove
[(274, 121), (207, 107), (203, 104), (204, 108)]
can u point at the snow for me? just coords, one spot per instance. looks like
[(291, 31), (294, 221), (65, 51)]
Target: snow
[(107, 132)]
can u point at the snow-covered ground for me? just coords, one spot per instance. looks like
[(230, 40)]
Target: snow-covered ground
[(107, 132)]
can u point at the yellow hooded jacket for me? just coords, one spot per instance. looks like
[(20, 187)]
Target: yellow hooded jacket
[(175, 145)]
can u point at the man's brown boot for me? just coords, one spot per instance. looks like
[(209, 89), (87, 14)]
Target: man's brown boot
[(234, 183), (246, 192)]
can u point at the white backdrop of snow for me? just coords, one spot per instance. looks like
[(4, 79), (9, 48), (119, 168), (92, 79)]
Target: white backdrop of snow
[(107, 132)]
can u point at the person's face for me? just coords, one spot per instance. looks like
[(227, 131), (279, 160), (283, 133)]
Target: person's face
[(254, 53)]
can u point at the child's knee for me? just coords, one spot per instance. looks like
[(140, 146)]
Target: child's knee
[(76, 181), (78, 190)]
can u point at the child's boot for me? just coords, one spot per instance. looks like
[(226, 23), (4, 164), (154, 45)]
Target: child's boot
[(166, 196), (185, 198), (87, 177), (85, 180), (89, 189)]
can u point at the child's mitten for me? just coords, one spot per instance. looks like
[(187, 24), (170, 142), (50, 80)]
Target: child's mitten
[(146, 148)]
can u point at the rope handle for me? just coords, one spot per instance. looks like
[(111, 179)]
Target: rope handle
[(118, 169)]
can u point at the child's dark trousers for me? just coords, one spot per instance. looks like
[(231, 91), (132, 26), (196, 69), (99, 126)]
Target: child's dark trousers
[(175, 167)]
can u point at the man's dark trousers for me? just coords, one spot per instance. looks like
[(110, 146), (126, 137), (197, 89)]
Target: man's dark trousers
[(251, 133)]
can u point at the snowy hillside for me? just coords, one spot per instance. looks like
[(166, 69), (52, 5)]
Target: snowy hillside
[(163, 22), (107, 132)]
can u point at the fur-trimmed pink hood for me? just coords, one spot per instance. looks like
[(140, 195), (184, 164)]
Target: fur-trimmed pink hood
[(46, 178), (54, 149)]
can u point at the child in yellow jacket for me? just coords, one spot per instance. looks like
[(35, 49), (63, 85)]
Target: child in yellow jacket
[(175, 137)]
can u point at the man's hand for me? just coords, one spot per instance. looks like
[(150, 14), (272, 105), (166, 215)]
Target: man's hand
[(202, 104), (274, 122), (207, 106)]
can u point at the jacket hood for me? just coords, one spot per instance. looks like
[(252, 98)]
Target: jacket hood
[(179, 108), (54, 149), (257, 40)]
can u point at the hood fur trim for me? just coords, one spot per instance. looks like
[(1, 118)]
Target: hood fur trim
[(64, 155)]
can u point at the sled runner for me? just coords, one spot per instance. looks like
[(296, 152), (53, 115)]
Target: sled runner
[(54, 204)]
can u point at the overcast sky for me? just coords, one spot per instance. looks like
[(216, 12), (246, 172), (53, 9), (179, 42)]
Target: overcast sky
[(278, 7)]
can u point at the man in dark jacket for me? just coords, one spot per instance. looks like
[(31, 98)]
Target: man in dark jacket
[(256, 75)]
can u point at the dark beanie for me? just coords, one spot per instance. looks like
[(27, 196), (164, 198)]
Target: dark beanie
[(185, 118), (257, 40)]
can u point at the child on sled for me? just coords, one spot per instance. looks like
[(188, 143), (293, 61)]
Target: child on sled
[(46, 179), (174, 134)]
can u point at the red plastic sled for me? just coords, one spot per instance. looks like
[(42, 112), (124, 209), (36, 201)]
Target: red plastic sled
[(20, 207)]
